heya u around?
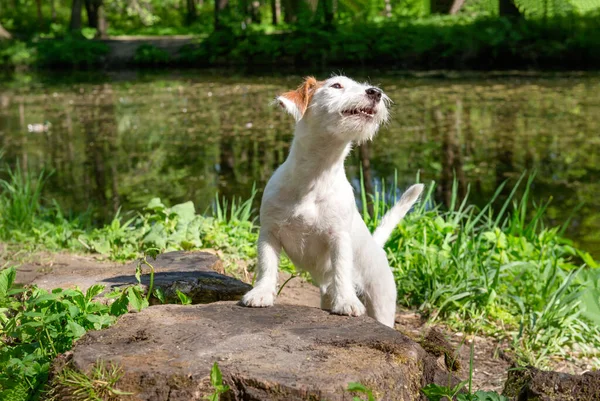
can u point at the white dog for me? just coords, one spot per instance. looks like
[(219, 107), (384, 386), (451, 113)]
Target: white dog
[(308, 206)]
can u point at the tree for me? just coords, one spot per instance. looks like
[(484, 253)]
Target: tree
[(191, 14), (456, 6), (38, 6), (219, 7), (507, 8), (276, 11), (75, 24), (96, 18)]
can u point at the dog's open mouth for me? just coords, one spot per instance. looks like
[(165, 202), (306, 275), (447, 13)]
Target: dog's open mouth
[(366, 112)]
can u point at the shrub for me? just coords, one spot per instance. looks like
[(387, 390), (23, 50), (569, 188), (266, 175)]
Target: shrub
[(71, 51), (148, 54)]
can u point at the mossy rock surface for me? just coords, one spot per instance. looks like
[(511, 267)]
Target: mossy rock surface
[(196, 274), (280, 353), (531, 384)]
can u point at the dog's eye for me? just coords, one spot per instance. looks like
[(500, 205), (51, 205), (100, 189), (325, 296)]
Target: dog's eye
[(336, 86)]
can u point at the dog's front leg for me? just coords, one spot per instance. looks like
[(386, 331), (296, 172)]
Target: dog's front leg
[(344, 299), (264, 292)]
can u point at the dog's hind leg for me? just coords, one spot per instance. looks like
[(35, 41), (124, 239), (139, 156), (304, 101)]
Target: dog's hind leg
[(264, 292), (380, 295)]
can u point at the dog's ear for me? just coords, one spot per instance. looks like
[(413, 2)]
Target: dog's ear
[(296, 102)]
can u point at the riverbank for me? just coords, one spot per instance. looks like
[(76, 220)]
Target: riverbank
[(439, 42), (496, 272)]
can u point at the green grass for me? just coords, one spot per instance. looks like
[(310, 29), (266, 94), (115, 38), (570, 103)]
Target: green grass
[(496, 269), (501, 271)]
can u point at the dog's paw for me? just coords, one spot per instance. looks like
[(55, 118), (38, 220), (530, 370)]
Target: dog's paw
[(350, 307), (258, 298)]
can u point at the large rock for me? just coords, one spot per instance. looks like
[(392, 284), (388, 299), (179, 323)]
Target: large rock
[(193, 273), (280, 353), (525, 384)]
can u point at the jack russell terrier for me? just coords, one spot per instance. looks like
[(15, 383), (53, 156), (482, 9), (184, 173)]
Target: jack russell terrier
[(308, 206)]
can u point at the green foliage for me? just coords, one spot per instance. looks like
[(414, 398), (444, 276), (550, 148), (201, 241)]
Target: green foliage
[(502, 272), (157, 228), (99, 385), (21, 201), (435, 392), (184, 299), (360, 388), (150, 55), (16, 54), (553, 8), (216, 381), (70, 51), (433, 42), (36, 325)]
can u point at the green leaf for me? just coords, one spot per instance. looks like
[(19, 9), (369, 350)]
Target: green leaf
[(120, 306), (353, 386), (155, 205), (93, 291), (185, 211), (160, 295), (101, 246), (156, 237), (216, 378), (136, 299), (185, 300), (7, 278), (435, 392), (76, 329)]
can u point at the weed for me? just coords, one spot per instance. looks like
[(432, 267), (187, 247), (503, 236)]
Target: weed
[(360, 388), (435, 392), (216, 381), (99, 385)]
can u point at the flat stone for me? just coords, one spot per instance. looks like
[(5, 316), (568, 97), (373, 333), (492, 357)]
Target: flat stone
[(193, 273), (283, 352), (534, 384)]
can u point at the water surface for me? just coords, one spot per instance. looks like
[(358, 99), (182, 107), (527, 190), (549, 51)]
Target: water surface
[(117, 140)]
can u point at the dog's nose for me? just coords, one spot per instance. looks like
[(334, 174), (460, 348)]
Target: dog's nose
[(374, 93)]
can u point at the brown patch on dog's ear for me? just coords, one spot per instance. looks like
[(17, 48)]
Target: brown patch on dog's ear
[(296, 102)]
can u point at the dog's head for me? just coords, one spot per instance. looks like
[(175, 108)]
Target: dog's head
[(339, 107)]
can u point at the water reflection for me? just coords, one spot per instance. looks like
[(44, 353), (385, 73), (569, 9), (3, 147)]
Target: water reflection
[(117, 143)]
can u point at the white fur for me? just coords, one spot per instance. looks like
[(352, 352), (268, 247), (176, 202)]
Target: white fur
[(308, 209)]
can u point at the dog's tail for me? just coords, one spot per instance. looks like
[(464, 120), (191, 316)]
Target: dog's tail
[(391, 219)]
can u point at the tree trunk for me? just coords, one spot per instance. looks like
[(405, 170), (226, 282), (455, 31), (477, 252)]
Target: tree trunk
[(96, 18), (441, 6), (191, 15), (102, 25), (220, 5), (52, 11), (291, 9), (325, 9), (40, 17), (456, 6), (91, 7), (507, 8), (254, 11), (276, 11), (75, 24), (388, 8), (4, 34)]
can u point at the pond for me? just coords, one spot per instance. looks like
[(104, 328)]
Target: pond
[(117, 140)]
